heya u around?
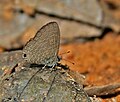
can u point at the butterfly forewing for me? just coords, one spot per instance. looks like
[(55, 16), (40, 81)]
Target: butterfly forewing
[(44, 47)]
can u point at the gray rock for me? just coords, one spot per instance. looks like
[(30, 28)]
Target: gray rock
[(111, 20), (48, 85), (10, 59), (53, 85), (11, 29), (81, 10), (68, 29)]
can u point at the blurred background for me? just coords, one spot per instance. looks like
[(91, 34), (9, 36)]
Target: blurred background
[(89, 30)]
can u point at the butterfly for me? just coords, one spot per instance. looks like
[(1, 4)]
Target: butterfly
[(43, 48)]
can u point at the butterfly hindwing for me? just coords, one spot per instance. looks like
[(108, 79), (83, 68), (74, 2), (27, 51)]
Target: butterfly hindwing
[(44, 47)]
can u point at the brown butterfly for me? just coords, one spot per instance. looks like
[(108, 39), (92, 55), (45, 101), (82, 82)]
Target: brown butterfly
[(44, 47)]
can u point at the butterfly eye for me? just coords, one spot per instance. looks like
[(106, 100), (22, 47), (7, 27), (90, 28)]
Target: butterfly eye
[(24, 55)]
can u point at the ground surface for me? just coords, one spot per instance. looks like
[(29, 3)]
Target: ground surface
[(99, 60)]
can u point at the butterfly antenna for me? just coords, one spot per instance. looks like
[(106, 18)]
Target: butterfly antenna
[(28, 83), (64, 53), (68, 61)]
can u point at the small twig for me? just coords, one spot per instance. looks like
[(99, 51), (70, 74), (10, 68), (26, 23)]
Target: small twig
[(102, 90)]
